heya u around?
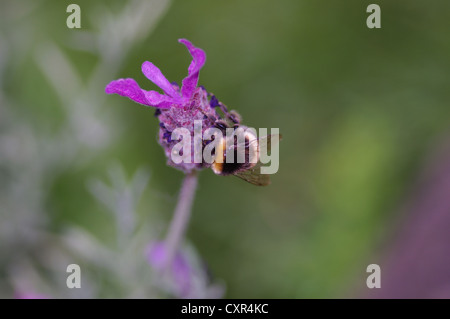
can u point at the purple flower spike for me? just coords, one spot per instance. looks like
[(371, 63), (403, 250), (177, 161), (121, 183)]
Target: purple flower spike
[(181, 271), (176, 107)]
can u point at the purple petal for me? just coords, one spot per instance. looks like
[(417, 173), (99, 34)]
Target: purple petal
[(158, 100), (214, 102), (155, 75), (128, 88), (198, 60)]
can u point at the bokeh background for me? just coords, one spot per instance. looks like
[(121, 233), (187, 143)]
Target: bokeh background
[(83, 179)]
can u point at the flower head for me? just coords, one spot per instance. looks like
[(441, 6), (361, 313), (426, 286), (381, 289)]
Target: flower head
[(181, 270), (176, 107), (189, 275)]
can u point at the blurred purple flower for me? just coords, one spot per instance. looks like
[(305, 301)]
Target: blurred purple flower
[(182, 273), (176, 107), (29, 295)]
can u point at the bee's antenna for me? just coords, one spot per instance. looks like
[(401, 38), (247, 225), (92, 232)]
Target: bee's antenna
[(208, 116)]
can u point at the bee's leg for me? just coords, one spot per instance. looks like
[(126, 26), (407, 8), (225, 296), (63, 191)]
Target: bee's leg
[(210, 117), (233, 116)]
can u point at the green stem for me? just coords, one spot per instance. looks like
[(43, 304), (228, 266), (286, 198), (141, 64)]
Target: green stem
[(181, 217)]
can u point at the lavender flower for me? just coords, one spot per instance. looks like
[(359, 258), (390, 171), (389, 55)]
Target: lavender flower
[(177, 107), (30, 295), (181, 272), (188, 277)]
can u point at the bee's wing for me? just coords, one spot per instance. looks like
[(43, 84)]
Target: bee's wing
[(254, 175), (265, 142)]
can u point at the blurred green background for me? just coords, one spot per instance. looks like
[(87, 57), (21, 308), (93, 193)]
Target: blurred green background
[(359, 110)]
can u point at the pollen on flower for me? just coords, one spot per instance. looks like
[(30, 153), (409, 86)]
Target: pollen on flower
[(177, 106)]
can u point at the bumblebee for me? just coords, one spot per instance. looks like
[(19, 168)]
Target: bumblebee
[(249, 170)]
